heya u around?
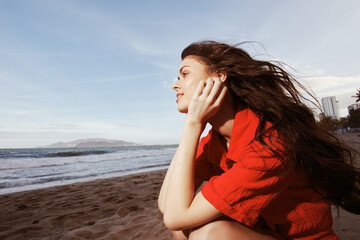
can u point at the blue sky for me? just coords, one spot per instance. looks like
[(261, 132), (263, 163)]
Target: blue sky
[(81, 69)]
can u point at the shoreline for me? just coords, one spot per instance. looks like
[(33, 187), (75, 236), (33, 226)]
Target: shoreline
[(35, 187)]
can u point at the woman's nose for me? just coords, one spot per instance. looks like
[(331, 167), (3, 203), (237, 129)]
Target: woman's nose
[(175, 86)]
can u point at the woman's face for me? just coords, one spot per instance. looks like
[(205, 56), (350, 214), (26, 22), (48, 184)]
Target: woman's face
[(191, 73)]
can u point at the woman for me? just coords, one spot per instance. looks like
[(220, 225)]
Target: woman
[(271, 172)]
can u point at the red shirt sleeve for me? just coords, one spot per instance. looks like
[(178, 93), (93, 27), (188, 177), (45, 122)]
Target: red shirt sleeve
[(245, 190)]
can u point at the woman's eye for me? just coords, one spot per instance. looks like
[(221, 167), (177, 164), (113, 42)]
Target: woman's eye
[(185, 74)]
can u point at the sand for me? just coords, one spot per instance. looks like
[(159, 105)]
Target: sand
[(117, 208), (347, 225)]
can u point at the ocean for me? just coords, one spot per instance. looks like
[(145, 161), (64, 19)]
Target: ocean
[(27, 169)]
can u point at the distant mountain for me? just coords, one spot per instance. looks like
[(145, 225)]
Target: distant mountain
[(91, 143)]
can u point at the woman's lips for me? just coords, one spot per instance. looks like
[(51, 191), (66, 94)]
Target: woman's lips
[(178, 96)]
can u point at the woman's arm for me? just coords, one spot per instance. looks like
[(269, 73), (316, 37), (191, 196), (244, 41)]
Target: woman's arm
[(163, 191), (181, 209)]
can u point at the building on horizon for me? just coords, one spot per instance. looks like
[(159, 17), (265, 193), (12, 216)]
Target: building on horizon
[(330, 107)]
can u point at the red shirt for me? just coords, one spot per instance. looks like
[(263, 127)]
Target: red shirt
[(246, 183)]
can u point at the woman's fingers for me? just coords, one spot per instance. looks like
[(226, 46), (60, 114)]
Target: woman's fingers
[(207, 90), (221, 96), (211, 91), (207, 99), (215, 91), (208, 87), (199, 89)]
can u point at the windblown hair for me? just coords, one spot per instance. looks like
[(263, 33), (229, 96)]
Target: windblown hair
[(271, 93)]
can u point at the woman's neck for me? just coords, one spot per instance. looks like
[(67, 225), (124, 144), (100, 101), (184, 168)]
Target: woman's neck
[(223, 121)]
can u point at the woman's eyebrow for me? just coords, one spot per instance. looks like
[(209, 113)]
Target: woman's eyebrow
[(182, 68)]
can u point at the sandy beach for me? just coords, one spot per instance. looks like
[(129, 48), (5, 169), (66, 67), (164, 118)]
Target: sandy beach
[(116, 208)]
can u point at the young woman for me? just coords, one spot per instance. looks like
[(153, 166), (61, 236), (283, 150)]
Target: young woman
[(271, 172)]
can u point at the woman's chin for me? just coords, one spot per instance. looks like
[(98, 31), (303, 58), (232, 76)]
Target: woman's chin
[(182, 109)]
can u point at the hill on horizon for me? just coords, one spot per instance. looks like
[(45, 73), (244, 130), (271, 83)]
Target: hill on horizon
[(91, 142)]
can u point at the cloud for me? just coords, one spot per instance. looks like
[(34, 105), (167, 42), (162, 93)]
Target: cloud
[(145, 130), (34, 96), (123, 78), (149, 50), (16, 112), (332, 85), (340, 87), (114, 32), (58, 126), (16, 80)]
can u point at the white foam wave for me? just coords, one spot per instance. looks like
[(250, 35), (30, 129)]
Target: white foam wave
[(17, 163)]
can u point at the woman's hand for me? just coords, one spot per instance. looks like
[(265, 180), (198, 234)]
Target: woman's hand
[(206, 100)]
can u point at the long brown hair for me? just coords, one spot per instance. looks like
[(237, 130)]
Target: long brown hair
[(271, 93)]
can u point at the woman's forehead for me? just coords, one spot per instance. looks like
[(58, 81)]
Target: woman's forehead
[(190, 62)]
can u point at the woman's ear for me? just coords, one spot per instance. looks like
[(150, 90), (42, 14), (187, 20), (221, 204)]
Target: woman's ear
[(222, 76)]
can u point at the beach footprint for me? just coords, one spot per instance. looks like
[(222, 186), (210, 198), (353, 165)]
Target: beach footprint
[(123, 211)]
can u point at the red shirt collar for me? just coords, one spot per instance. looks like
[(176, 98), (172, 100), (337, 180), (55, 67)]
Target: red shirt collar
[(243, 132)]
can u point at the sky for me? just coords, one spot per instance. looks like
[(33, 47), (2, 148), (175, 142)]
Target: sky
[(104, 69)]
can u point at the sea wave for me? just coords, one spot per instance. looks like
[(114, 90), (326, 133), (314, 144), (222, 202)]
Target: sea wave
[(75, 153), (57, 167), (64, 179), (71, 157)]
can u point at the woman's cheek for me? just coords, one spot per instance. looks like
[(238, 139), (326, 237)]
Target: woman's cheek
[(181, 106)]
